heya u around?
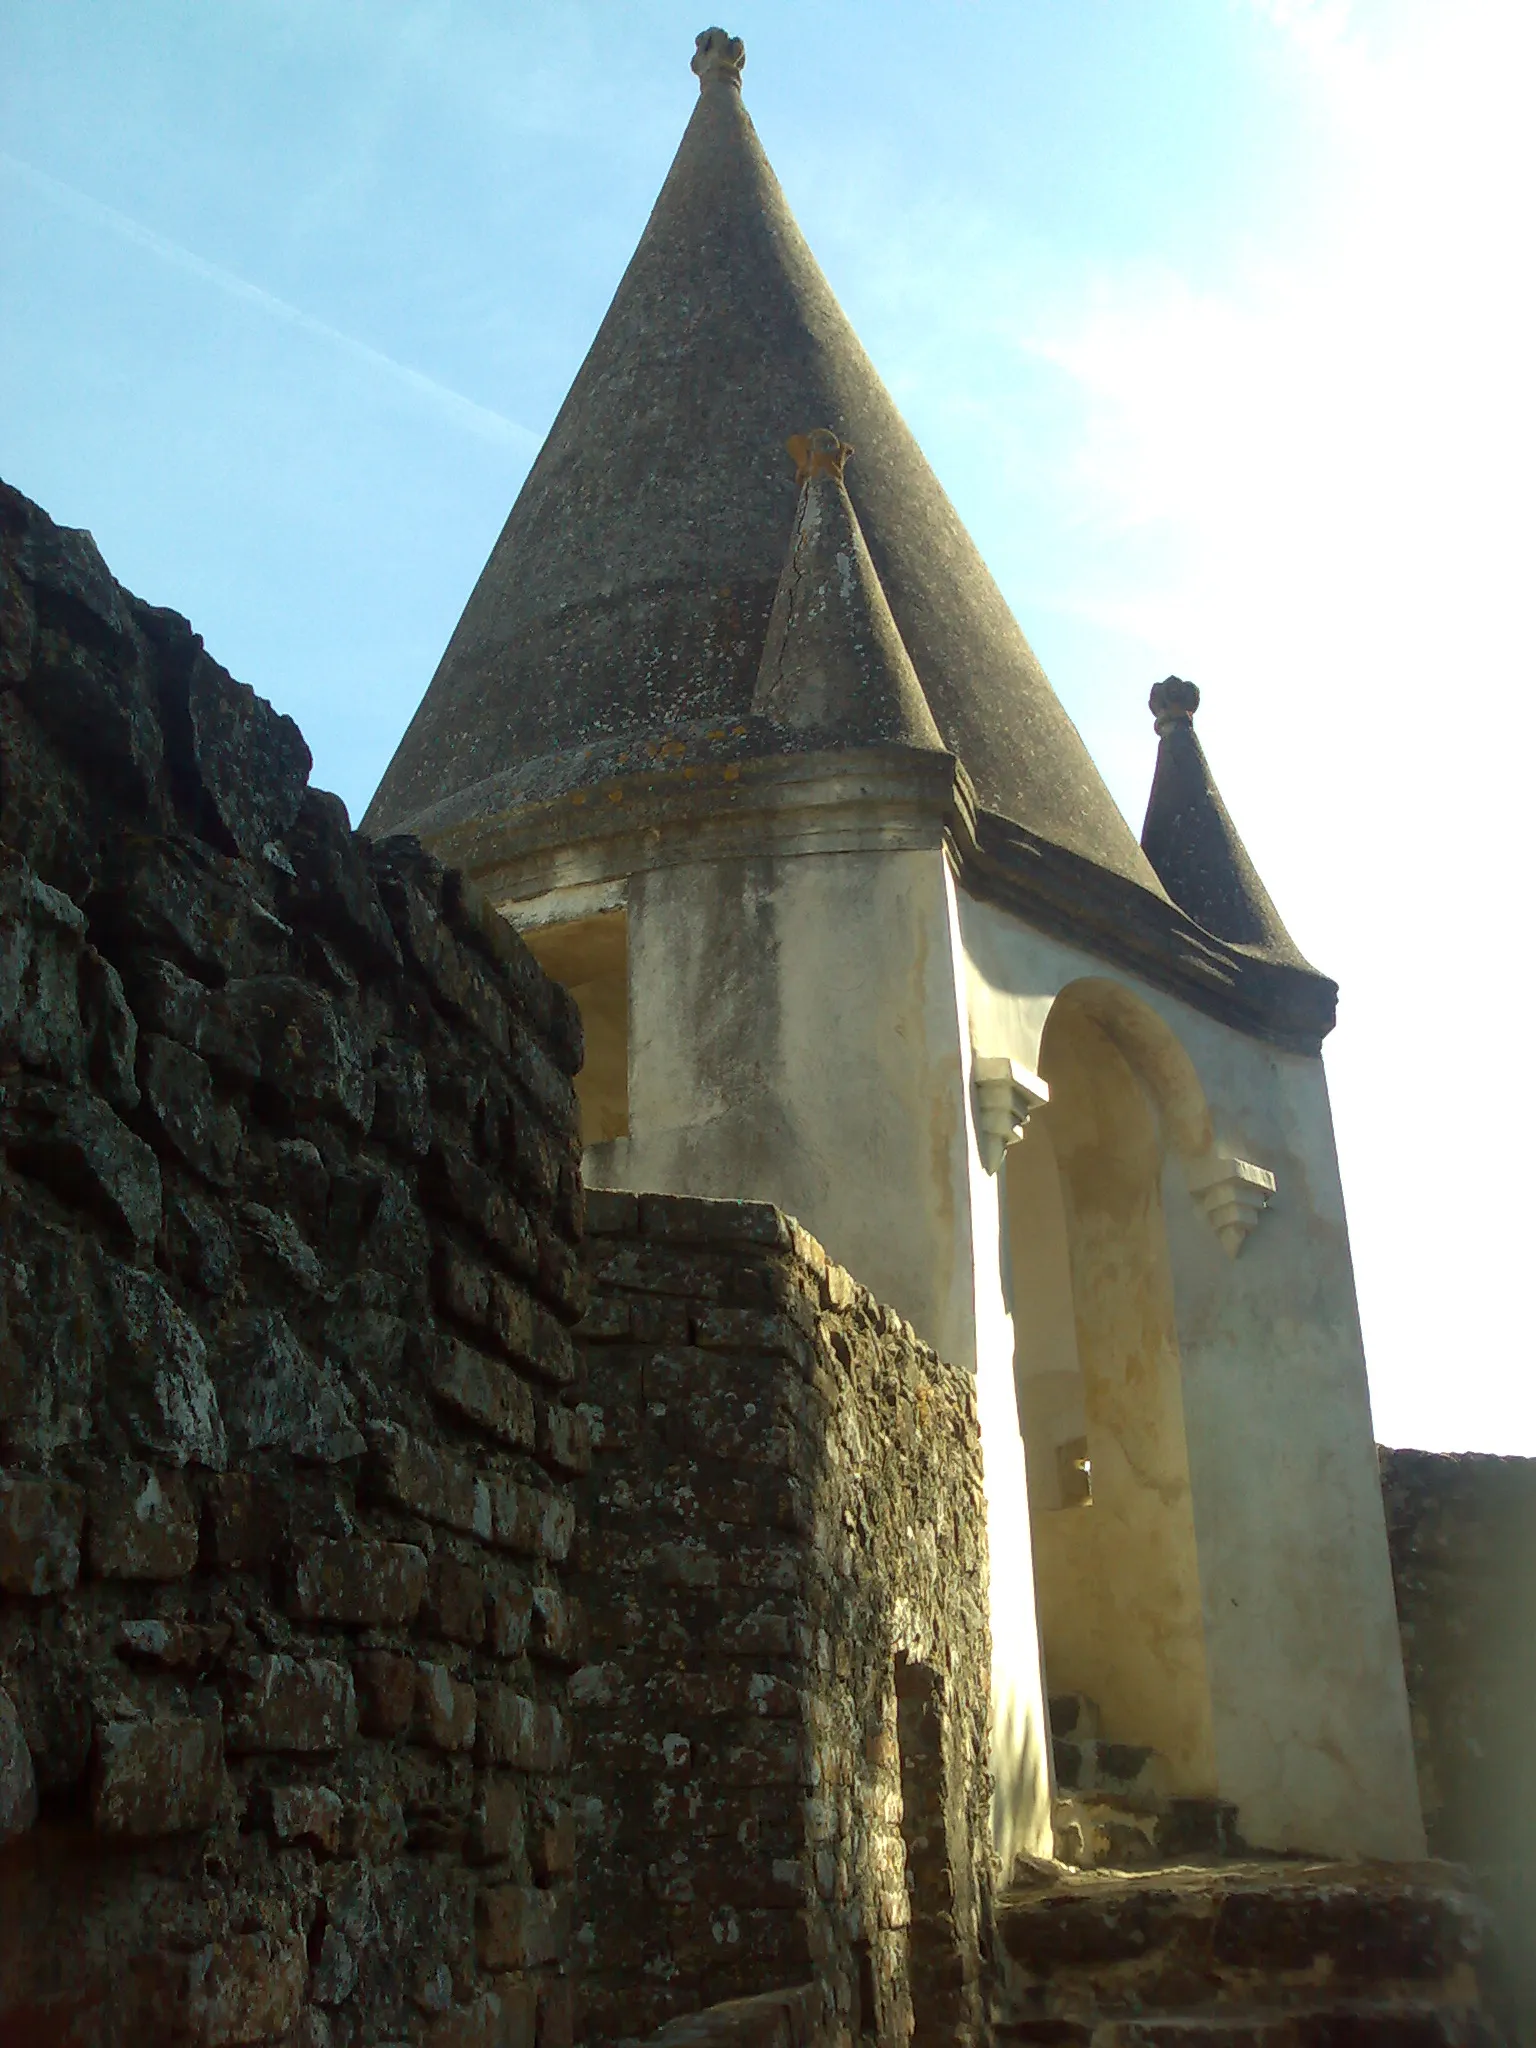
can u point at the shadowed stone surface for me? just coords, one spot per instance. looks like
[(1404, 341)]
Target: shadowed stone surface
[(1462, 1531)]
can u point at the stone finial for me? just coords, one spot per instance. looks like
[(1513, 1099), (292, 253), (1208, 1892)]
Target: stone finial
[(718, 55), (818, 453), (1173, 702)]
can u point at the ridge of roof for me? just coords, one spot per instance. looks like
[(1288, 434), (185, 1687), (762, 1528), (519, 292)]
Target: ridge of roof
[(1190, 839), (631, 587)]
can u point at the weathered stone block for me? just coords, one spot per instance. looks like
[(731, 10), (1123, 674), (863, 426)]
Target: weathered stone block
[(312, 1060), (42, 934), (89, 1156), (612, 1214), (331, 888), (402, 1116), (774, 1333), (518, 1927), (455, 1602), (307, 1813), (186, 1646), (552, 1840), (461, 1285), (465, 983), (528, 1332), (113, 1031), (511, 1612), (177, 1091), (40, 1521), (243, 1522), (528, 1734), (744, 1417), (557, 1631), (358, 1584), (290, 1703), (279, 1398), (246, 1989), (531, 1521), (143, 1525), (200, 1243), (481, 1390), (334, 1975), (277, 1239), (608, 1320), (565, 1438), (161, 1384), (497, 1820), (431, 1483), (445, 1709), (557, 2013), (18, 1780), (248, 763), (157, 1777), (386, 1692)]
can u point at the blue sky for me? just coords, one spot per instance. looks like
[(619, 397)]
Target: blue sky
[(1214, 317)]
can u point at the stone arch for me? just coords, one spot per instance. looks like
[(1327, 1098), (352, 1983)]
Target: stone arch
[(1099, 1374)]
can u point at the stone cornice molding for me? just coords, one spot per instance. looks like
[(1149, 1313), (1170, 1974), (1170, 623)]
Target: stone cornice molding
[(747, 789)]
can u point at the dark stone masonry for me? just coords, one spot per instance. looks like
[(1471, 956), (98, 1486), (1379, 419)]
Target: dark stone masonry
[(289, 1210), (1462, 1532), (782, 1726)]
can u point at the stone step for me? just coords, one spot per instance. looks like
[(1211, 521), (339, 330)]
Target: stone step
[(1101, 1831), (1099, 1946), (1348, 2024)]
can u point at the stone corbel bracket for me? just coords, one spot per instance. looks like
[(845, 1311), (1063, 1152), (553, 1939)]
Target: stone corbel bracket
[(1006, 1093), (1233, 1194)]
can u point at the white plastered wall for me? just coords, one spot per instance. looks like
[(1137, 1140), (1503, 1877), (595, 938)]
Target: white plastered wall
[(1308, 1706), (797, 1036)]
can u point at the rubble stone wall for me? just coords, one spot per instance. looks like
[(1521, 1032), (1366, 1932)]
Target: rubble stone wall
[(289, 1207), (1462, 1532), (781, 1727)]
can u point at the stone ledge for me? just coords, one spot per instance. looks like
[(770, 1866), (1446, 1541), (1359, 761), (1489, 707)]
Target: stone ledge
[(774, 2019)]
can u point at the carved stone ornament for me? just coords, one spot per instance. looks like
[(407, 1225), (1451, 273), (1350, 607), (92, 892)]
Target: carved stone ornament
[(1233, 1194), (1005, 1095), (718, 55)]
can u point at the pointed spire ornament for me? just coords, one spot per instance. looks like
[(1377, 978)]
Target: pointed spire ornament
[(718, 57), (1191, 841), (833, 660)]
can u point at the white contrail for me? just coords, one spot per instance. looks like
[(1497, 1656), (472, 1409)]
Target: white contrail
[(477, 419)]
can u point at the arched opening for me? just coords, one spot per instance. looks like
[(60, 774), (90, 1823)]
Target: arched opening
[(1099, 1381)]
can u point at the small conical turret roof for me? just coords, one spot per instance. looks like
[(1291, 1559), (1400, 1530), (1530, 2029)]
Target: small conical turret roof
[(833, 661), (630, 591), (1190, 838)]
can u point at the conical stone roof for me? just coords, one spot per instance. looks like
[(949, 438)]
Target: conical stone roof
[(630, 590), (833, 662), (1190, 839)]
